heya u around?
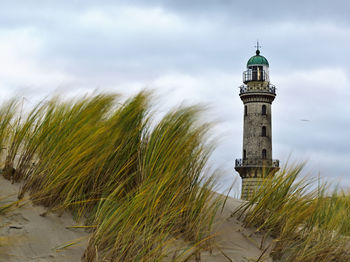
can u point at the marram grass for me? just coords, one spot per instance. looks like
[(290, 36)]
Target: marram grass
[(309, 223), (140, 185)]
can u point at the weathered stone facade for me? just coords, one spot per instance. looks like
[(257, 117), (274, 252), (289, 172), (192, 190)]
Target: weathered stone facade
[(257, 95)]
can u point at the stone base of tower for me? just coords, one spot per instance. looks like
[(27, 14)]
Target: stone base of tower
[(249, 186), (253, 176)]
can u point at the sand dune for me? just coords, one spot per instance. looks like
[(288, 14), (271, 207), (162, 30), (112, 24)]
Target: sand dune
[(27, 236), (235, 243)]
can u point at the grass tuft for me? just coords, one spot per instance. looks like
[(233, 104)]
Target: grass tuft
[(309, 224)]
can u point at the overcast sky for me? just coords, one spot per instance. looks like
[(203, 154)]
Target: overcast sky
[(195, 52)]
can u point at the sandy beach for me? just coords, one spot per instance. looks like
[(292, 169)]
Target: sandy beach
[(26, 236)]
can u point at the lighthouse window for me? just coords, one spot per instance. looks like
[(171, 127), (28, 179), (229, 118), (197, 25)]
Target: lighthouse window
[(244, 155), (263, 131), (263, 110), (260, 73), (245, 110), (255, 73), (264, 154)]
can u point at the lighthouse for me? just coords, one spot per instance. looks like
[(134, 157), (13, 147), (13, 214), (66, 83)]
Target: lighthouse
[(257, 95)]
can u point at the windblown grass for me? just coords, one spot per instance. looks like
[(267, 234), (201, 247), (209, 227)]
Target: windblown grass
[(309, 224), (139, 186), (7, 115), (172, 199)]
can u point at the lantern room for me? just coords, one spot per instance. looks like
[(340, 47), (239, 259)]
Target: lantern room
[(257, 69)]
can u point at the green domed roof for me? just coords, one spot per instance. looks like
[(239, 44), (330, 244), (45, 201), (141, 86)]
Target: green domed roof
[(257, 60)]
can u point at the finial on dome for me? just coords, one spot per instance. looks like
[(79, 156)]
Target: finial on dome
[(257, 47)]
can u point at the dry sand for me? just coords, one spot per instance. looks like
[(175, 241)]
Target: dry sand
[(25, 236), (235, 243)]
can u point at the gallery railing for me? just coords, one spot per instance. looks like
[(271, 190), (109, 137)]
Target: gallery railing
[(245, 89), (257, 162)]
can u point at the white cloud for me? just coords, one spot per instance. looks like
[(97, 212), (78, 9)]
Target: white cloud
[(129, 19), (20, 66)]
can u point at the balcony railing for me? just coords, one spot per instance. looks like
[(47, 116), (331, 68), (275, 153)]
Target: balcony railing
[(255, 75), (257, 162), (245, 89)]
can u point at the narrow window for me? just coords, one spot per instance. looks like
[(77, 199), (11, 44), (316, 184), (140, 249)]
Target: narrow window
[(260, 73), (244, 155), (255, 73), (263, 131), (264, 154), (245, 110), (263, 110)]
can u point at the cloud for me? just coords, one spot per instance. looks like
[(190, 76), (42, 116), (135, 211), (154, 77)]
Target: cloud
[(321, 96), (20, 71), (255, 11)]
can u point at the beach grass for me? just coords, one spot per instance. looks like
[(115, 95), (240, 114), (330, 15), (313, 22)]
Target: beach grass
[(309, 220), (138, 184)]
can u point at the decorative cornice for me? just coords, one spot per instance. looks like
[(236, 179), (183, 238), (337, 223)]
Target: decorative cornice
[(251, 97)]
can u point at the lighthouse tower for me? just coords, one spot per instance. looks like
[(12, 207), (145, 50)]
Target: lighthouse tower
[(257, 95)]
